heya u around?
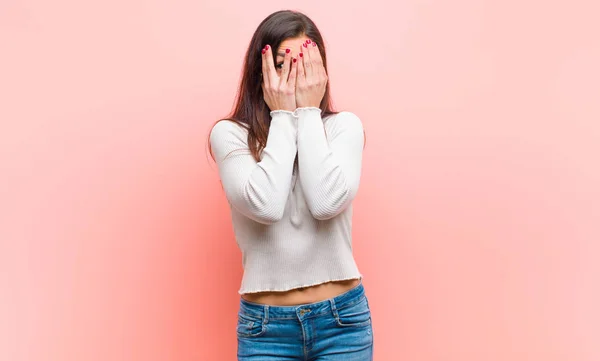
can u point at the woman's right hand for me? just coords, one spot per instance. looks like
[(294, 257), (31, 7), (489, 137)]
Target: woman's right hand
[(279, 90)]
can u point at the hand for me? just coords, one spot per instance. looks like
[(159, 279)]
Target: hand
[(312, 77), (278, 91)]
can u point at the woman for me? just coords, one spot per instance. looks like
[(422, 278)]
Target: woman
[(290, 167)]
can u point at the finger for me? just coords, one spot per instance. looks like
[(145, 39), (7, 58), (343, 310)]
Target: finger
[(308, 71), (317, 59), (301, 74), (293, 73), (265, 73), (286, 66), (315, 54), (270, 63)]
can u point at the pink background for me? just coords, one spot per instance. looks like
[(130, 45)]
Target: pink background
[(477, 222)]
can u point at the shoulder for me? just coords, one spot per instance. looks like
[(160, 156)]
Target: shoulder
[(344, 120), (227, 129)]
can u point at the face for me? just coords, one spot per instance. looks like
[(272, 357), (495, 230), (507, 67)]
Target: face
[(294, 45)]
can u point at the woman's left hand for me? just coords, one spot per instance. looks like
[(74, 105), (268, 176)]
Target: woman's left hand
[(311, 79)]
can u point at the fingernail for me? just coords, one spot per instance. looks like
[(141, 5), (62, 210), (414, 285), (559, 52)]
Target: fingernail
[(294, 60), (287, 51), (301, 55), (314, 44), (304, 45), (264, 51), (266, 47)]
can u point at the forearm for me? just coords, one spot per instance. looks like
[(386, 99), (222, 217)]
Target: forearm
[(259, 190), (329, 168)]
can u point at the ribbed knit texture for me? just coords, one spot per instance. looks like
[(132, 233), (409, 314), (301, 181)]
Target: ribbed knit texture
[(294, 229)]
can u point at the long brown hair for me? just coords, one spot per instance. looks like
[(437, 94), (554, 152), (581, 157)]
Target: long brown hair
[(250, 110)]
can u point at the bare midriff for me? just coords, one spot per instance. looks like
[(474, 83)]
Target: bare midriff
[(304, 295)]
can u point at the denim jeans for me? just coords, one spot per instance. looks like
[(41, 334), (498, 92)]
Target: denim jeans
[(339, 328)]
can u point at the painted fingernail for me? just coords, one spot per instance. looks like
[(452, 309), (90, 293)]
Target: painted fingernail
[(266, 47), (301, 55), (264, 51), (304, 45), (314, 44), (294, 60), (287, 51)]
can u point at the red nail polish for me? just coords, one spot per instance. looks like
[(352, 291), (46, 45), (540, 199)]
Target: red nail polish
[(287, 51), (314, 44), (264, 51), (294, 60), (304, 45), (301, 55)]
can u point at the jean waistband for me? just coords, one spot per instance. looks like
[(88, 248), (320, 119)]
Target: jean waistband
[(341, 301)]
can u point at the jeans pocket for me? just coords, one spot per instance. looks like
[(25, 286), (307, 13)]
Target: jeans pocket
[(250, 325), (357, 314)]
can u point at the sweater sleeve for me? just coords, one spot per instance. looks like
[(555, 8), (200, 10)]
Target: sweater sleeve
[(329, 164), (258, 190)]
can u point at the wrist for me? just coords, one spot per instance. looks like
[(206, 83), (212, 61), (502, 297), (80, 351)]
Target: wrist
[(276, 112), (308, 107), (304, 112)]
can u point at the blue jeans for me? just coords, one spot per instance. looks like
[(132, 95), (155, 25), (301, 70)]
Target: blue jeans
[(335, 329)]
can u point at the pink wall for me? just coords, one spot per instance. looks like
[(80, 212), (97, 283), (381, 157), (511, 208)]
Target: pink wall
[(477, 221)]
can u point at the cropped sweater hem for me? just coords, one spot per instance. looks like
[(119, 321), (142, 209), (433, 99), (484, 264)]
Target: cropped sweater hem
[(300, 285)]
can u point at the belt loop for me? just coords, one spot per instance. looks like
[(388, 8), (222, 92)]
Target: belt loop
[(266, 313), (333, 308)]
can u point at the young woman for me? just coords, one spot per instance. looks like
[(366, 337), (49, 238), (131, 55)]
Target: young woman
[(290, 167)]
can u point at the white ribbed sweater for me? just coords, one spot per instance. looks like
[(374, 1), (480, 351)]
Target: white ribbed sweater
[(294, 229)]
